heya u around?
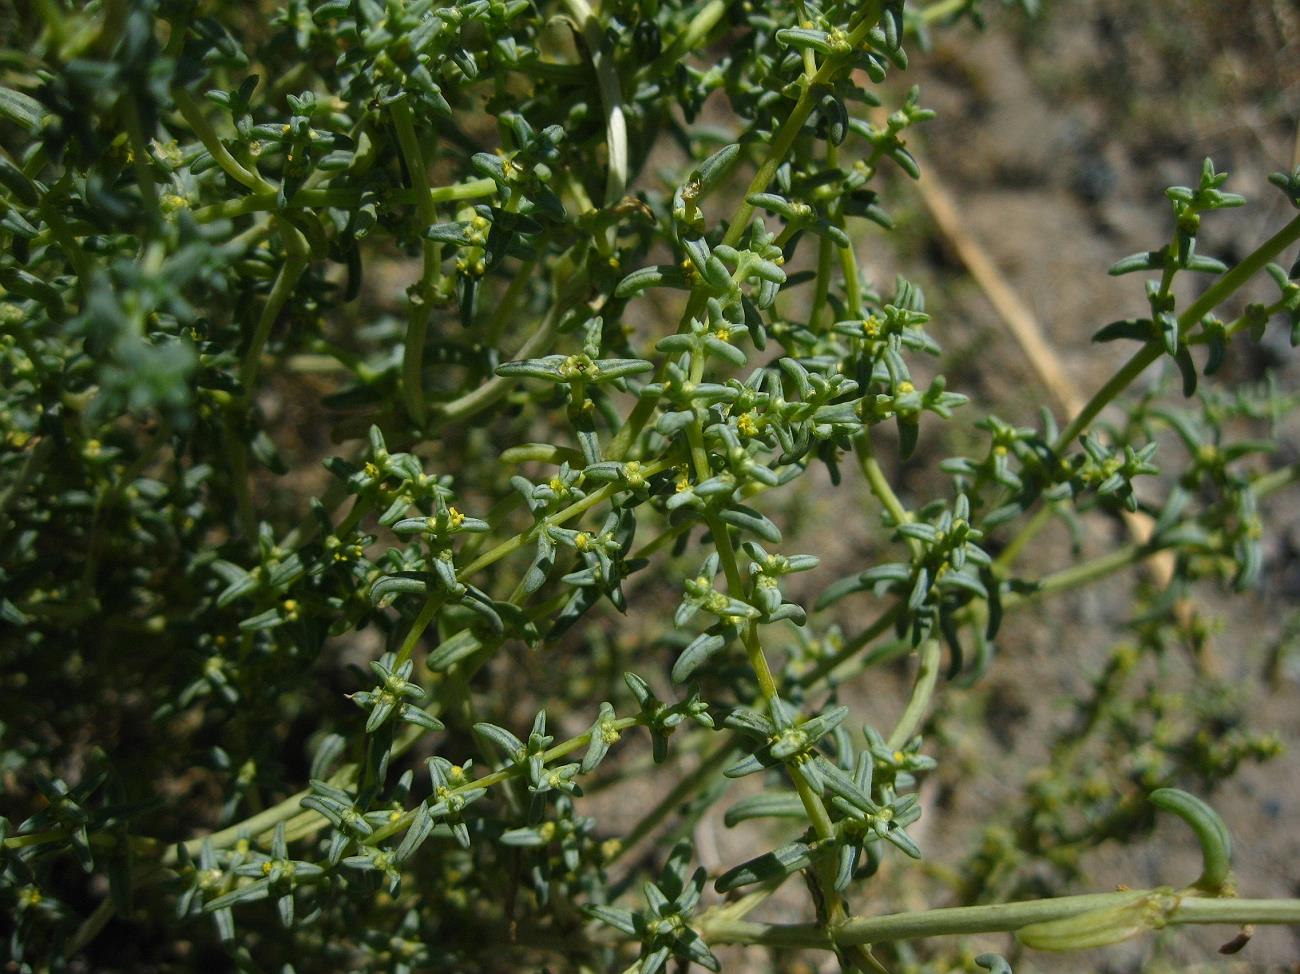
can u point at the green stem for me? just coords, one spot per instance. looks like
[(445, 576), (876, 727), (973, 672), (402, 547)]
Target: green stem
[(427, 611), (299, 823), (34, 838), (688, 40), (472, 403), (285, 281), (1085, 571), (93, 924), (340, 196), (779, 148), (789, 130), (422, 298), (942, 10), (1042, 517), (991, 918), (884, 622), (809, 59), (236, 170), (777, 151), (258, 828), (879, 483), (1214, 295), (433, 603), (360, 507), (1117, 383), (611, 98), (179, 27), (241, 206), (1063, 580), (1103, 565), (515, 770), (505, 309), (663, 539), (926, 677), (305, 530), (699, 455), (560, 517), (812, 803), (852, 285), (1276, 480), (471, 189)]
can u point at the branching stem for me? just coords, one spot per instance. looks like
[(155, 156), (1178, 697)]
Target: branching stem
[(990, 919)]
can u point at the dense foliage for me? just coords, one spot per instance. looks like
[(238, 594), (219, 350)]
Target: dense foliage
[(261, 712)]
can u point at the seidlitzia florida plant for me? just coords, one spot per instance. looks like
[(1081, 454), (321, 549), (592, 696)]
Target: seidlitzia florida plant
[(240, 454)]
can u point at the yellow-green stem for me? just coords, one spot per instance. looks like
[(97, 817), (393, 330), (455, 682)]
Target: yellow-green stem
[(927, 675), (423, 293), (1218, 292), (285, 281), (235, 169), (992, 918)]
